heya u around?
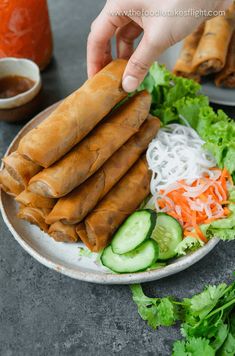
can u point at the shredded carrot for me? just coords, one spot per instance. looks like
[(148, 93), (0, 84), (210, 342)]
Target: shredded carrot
[(195, 209), (226, 211), (228, 176), (190, 233)]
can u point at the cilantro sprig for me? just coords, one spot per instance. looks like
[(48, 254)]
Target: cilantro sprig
[(207, 319)]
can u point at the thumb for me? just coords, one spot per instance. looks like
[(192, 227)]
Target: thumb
[(139, 63)]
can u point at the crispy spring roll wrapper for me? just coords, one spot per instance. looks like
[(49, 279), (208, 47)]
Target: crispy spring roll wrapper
[(183, 66), (33, 200), (20, 168), (63, 233), (211, 52), (34, 216), (75, 117), (126, 196), (73, 208), (88, 156), (9, 184), (226, 77)]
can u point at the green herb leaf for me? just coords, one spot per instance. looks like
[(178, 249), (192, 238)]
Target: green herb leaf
[(193, 347), (157, 312), (84, 252), (201, 304), (228, 348)]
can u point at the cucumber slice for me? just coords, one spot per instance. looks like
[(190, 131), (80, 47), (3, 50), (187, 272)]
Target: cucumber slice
[(138, 260), (137, 228), (168, 234)]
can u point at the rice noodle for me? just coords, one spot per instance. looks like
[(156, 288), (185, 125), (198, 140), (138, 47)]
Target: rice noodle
[(176, 154)]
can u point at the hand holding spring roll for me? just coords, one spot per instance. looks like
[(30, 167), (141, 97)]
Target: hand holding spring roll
[(75, 116)]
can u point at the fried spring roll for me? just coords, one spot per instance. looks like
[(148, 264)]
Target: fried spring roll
[(73, 208), (226, 77), (88, 156), (116, 206), (75, 117), (20, 168), (34, 216), (63, 233), (183, 66), (9, 184), (33, 200), (211, 52)]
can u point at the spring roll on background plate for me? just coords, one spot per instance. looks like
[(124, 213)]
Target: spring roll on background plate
[(226, 77), (20, 168), (63, 233), (33, 200), (75, 117), (88, 156), (211, 52), (126, 196), (183, 66), (73, 208), (9, 184)]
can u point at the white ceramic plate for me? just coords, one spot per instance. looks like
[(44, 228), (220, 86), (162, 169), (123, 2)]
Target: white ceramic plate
[(216, 95), (65, 258)]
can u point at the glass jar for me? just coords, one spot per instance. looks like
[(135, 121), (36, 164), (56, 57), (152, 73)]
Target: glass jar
[(25, 30)]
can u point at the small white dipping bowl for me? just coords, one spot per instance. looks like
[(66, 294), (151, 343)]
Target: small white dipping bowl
[(10, 107)]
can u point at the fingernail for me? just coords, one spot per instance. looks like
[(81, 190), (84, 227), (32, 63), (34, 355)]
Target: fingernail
[(130, 83)]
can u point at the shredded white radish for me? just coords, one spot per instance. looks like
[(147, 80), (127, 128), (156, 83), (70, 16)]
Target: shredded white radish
[(176, 154)]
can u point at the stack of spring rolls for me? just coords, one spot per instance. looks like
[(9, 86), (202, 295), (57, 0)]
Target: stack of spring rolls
[(82, 171), (210, 50)]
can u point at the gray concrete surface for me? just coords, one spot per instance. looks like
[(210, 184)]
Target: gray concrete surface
[(45, 313)]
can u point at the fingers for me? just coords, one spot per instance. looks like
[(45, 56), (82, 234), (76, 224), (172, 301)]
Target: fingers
[(139, 63), (125, 37), (98, 44)]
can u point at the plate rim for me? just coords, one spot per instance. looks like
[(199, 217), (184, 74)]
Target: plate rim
[(100, 278)]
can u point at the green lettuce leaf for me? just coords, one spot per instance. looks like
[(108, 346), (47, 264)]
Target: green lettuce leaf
[(232, 194), (223, 234), (189, 108), (223, 228), (188, 244), (229, 159)]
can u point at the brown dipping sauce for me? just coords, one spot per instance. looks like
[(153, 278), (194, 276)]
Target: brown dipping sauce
[(13, 85)]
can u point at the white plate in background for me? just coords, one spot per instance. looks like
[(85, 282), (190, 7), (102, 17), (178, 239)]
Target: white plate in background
[(216, 95)]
